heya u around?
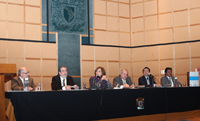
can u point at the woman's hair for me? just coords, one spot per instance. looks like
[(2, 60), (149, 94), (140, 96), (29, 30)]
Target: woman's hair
[(102, 70)]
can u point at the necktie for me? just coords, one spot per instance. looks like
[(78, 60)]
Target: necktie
[(63, 82), (124, 81), (172, 84), (148, 81)]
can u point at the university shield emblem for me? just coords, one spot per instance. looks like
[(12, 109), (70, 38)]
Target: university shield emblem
[(140, 103), (69, 13)]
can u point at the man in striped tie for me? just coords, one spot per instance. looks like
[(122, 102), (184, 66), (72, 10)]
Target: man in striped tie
[(146, 79), (62, 81)]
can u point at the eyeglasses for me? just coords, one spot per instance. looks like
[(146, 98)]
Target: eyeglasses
[(26, 73)]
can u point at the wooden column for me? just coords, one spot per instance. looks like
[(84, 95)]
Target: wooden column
[(7, 72), (2, 99)]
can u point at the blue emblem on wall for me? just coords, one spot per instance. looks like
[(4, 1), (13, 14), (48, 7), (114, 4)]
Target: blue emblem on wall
[(69, 15)]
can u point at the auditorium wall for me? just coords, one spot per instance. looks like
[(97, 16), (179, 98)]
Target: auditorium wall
[(150, 29), (134, 29), (22, 20)]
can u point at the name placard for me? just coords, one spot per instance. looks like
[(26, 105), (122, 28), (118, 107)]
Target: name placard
[(193, 79)]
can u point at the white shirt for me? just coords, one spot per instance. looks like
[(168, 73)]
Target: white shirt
[(148, 81), (170, 78), (61, 79), (21, 80), (124, 81)]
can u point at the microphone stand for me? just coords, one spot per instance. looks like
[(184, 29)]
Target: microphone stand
[(154, 78)]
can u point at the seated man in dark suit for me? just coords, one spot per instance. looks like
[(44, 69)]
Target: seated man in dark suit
[(123, 80), (146, 80), (17, 83), (62, 81), (169, 80)]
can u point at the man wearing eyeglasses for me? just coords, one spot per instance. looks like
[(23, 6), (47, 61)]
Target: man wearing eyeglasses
[(123, 80), (17, 83), (63, 81)]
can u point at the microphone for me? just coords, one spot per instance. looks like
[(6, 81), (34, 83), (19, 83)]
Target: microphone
[(151, 75), (99, 77)]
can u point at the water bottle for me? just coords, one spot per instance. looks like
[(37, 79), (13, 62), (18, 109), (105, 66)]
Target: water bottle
[(176, 81), (84, 85), (26, 84), (39, 87)]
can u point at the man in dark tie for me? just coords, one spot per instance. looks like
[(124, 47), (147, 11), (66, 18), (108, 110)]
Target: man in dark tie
[(146, 79), (62, 81)]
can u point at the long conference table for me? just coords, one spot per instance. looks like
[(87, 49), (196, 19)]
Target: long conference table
[(82, 105)]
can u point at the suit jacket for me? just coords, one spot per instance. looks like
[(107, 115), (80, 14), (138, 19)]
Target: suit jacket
[(56, 82), (165, 81), (118, 80), (142, 81), (99, 85), (16, 83)]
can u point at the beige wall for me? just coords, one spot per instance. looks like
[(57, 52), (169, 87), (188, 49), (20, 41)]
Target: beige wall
[(22, 19), (143, 22), (39, 58)]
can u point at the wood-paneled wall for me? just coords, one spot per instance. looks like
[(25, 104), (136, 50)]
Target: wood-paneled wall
[(143, 22), (22, 19)]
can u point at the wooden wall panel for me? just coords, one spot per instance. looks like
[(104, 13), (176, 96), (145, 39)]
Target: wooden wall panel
[(112, 8), (87, 68), (182, 50), (137, 9), (33, 14), (194, 3), (164, 6), (194, 32), (113, 38), (177, 6), (138, 39), (195, 49), (137, 24), (124, 10), (181, 34), (113, 54), (3, 11), (182, 66), (151, 37), (138, 54), (151, 22), (100, 6), (87, 53), (166, 36), (166, 52), (150, 7), (165, 20), (181, 18), (15, 13)]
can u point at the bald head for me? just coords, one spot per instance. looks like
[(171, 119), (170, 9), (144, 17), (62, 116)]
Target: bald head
[(124, 73), (23, 72)]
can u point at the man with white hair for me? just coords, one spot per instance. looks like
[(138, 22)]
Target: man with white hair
[(123, 79), (17, 83)]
